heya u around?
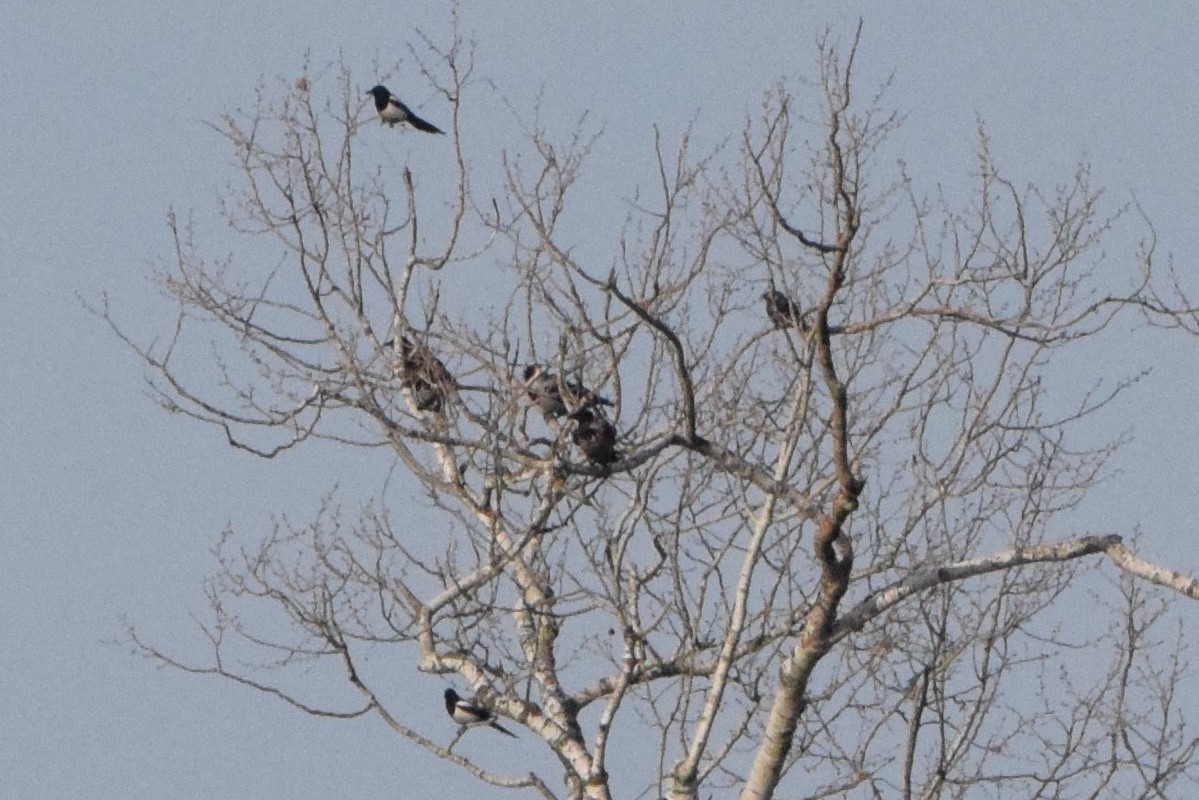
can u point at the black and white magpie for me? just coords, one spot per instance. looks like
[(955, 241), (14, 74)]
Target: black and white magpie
[(782, 311), (595, 436), (469, 715), (557, 398), (393, 112), (423, 374)]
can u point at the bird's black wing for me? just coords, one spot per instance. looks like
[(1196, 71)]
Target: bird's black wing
[(398, 105), (407, 115)]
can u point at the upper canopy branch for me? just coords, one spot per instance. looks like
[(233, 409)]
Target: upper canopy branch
[(927, 578)]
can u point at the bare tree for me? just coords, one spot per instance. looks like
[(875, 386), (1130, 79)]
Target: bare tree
[(821, 544)]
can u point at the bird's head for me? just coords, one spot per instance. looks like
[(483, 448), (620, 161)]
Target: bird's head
[(451, 695), (530, 372), (379, 92)]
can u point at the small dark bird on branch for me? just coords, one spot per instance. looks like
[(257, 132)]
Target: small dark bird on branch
[(469, 715), (557, 398), (782, 311), (423, 374), (594, 435), (393, 112)]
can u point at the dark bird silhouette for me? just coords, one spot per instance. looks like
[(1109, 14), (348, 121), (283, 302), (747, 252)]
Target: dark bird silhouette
[(782, 311), (423, 374), (594, 435), (555, 397), (393, 112), (469, 715)]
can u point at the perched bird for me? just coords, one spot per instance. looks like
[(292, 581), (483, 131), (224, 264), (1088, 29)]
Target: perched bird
[(423, 374), (469, 715), (557, 398), (594, 435), (393, 112), (782, 312)]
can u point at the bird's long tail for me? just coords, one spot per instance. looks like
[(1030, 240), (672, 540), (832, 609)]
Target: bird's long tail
[(501, 728), (421, 125)]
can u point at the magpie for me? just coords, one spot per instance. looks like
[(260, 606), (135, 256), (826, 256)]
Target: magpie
[(557, 398), (393, 112), (423, 374), (782, 311), (594, 435), (469, 715)]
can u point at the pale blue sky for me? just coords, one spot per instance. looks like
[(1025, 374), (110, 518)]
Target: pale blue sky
[(109, 507)]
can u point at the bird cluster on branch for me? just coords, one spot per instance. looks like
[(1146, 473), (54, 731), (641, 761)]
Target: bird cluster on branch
[(429, 382)]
